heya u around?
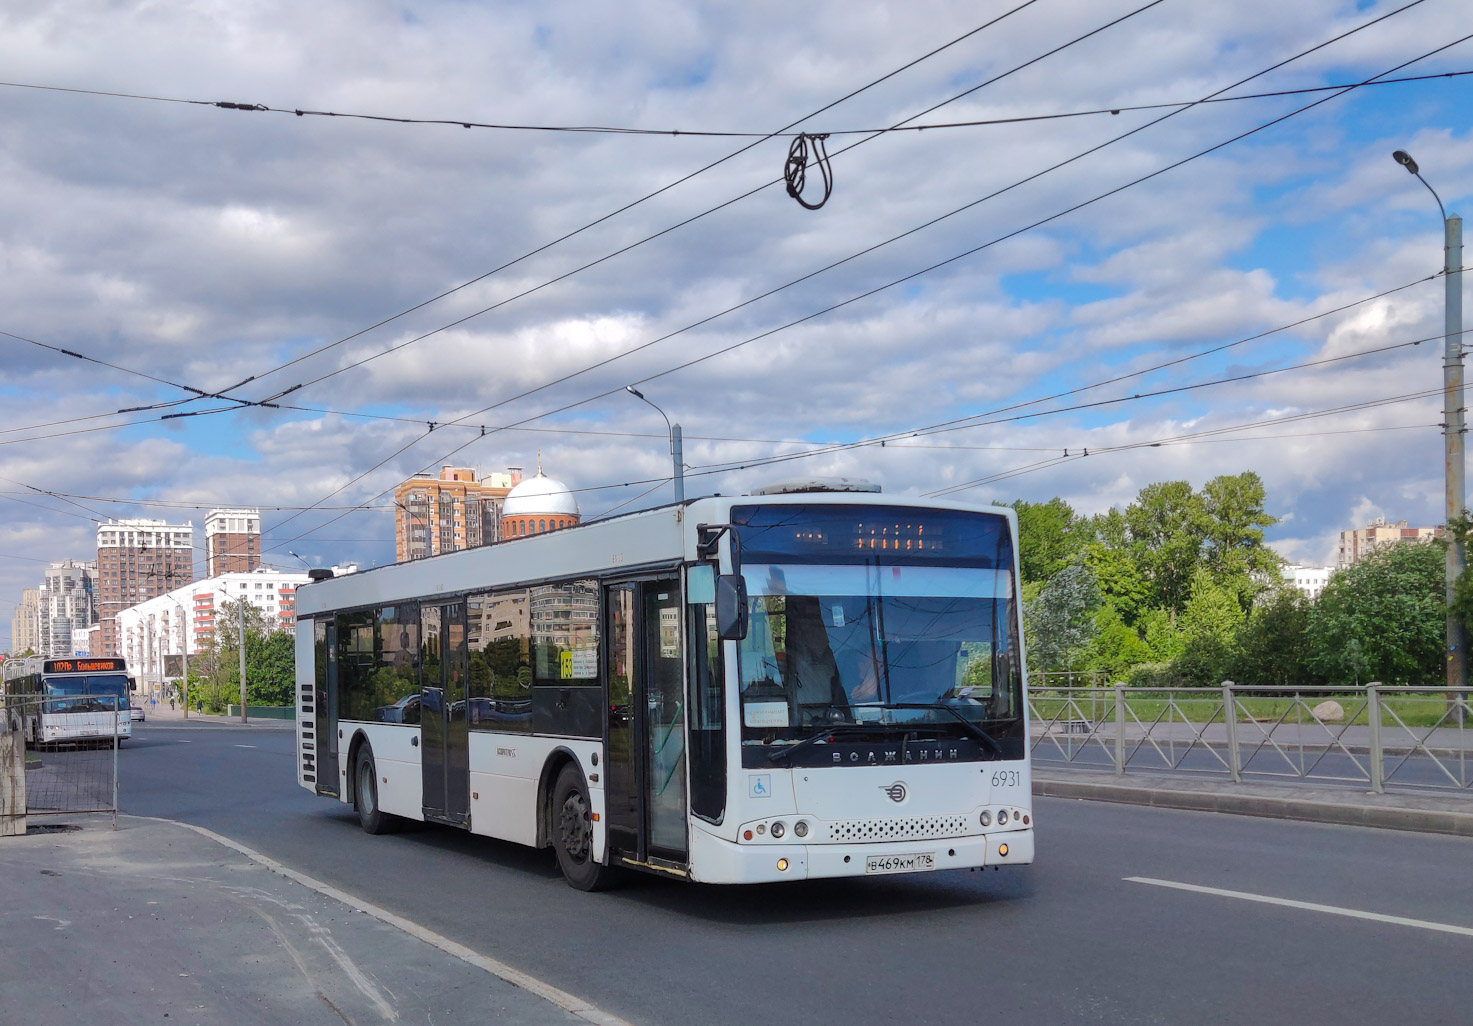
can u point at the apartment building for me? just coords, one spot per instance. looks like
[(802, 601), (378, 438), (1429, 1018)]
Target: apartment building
[(232, 541), (138, 559), (460, 509)]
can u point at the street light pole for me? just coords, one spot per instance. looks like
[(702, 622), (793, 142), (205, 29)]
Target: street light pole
[(677, 445), (241, 607), (1453, 423)]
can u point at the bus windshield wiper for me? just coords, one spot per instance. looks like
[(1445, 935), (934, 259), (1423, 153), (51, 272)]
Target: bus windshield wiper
[(828, 732), (972, 728)]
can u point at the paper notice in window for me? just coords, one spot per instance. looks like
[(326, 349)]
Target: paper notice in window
[(765, 714)]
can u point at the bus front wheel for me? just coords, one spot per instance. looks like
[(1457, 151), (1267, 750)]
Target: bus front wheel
[(572, 833), (365, 796)]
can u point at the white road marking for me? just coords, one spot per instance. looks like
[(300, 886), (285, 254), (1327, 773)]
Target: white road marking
[(568, 1002), (1308, 906), (245, 746), (183, 742)]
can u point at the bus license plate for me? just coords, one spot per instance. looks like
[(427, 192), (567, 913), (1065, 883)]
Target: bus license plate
[(918, 863)]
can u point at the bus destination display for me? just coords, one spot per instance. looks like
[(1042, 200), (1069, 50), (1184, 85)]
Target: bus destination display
[(84, 666)]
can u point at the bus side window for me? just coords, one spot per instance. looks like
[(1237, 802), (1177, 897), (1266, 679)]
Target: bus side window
[(355, 664)]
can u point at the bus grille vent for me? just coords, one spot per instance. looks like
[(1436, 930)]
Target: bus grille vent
[(915, 828)]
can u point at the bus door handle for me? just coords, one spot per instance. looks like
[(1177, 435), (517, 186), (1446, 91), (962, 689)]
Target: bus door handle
[(414, 741)]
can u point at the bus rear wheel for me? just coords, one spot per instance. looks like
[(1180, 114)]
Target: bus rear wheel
[(365, 796), (572, 834)]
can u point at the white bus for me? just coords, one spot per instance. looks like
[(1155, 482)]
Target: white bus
[(734, 689), (70, 701)]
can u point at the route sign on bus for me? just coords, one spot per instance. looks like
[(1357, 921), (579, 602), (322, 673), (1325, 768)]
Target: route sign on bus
[(84, 666)]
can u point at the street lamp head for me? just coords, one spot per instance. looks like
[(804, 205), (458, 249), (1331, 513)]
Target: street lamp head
[(633, 391), (1404, 158)]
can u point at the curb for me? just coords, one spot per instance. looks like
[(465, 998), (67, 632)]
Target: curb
[(1427, 821)]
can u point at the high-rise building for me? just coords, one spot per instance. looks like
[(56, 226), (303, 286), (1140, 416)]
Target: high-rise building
[(25, 625), (458, 510), (1357, 545), (66, 602), (232, 541), (137, 560), (161, 627)]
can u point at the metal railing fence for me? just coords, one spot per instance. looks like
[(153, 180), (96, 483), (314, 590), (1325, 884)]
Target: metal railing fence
[(1375, 736), (71, 751)]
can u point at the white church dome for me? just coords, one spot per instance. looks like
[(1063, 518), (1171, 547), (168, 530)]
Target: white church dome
[(540, 495)]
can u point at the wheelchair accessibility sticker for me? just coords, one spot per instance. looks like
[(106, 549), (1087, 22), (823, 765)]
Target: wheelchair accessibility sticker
[(759, 785)]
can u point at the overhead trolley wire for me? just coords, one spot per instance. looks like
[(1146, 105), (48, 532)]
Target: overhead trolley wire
[(1137, 396), (664, 231), (863, 252), (651, 195), (1196, 438), (698, 133), (952, 259)]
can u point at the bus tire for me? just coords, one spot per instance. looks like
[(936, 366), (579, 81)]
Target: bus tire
[(373, 819), (572, 833)]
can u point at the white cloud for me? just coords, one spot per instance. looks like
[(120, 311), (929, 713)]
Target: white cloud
[(205, 246)]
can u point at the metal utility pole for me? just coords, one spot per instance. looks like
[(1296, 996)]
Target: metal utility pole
[(241, 607), (184, 630), (1453, 421), (677, 445)]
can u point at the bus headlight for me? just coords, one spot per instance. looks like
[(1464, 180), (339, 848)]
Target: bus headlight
[(1002, 817), (800, 828), (985, 819), (778, 829)]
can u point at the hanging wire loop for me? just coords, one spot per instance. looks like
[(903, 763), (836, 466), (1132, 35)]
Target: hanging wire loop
[(795, 171)]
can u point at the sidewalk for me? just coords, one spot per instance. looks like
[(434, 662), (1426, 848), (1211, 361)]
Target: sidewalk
[(162, 714), (157, 923), (1425, 813)]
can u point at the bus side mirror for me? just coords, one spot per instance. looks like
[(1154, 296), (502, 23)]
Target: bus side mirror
[(731, 607)]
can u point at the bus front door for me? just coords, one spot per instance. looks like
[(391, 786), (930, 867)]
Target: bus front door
[(325, 705), (444, 737), (644, 791)]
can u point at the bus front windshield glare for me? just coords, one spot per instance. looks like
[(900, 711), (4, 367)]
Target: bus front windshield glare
[(878, 644)]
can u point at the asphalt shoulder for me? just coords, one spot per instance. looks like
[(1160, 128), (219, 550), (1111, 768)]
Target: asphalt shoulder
[(157, 923), (1423, 813)]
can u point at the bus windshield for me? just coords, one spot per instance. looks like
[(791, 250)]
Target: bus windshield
[(88, 692), (897, 645)]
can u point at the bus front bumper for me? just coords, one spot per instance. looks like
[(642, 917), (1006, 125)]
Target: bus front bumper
[(714, 860)]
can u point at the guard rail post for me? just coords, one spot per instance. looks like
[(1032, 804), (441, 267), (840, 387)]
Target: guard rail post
[(1119, 730), (1373, 718), (1230, 723)]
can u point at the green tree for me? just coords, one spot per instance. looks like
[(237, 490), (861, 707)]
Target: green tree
[(1209, 630), (1162, 636), (1167, 524), (1234, 519), (1117, 646), (1273, 647), (1047, 537), (1060, 621), (271, 670), (1119, 579), (1382, 619)]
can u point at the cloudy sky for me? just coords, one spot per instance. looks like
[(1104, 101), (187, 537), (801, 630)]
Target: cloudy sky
[(205, 246)]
